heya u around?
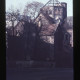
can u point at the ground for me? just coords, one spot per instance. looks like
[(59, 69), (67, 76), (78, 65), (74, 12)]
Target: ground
[(40, 74)]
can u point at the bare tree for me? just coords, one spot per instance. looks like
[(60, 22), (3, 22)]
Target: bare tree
[(11, 17), (32, 9)]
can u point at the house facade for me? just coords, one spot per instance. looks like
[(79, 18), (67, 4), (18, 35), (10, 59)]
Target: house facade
[(49, 19)]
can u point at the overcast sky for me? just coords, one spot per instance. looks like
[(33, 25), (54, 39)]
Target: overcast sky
[(20, 4)]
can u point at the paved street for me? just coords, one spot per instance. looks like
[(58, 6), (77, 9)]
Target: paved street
[(40, 74)]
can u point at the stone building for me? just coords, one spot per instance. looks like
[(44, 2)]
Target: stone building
[(52, 22), (48, 20)]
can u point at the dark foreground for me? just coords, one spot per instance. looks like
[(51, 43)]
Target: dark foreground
[(40, 74)]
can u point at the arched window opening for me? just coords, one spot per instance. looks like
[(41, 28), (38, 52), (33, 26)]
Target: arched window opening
[(66, 39)]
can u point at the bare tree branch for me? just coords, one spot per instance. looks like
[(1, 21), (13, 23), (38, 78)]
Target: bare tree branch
[(32, 9), (12, 16)]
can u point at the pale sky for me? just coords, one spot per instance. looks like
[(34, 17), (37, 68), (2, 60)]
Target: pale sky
[(20, 4)]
